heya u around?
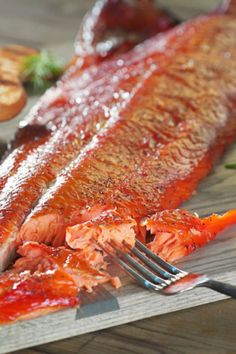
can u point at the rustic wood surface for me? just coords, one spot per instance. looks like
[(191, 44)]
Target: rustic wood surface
[(205, 329)]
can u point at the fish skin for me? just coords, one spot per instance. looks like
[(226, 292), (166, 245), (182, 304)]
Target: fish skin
[(188, 126), (113, 27)]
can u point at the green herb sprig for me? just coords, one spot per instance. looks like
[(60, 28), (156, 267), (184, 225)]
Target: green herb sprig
[(231, 166), (40, 71)]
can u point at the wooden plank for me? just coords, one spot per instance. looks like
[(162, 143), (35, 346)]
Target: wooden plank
[(205, 329), (216, 193), (134, 303)]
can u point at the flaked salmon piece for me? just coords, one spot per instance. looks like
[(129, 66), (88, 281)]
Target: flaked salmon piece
[(177, 233), (35, 287), (24, 296), (12, 93), (152, 156), (109, 225), (172, 234), (47, 279)]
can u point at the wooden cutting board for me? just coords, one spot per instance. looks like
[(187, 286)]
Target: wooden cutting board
[(109, 307)]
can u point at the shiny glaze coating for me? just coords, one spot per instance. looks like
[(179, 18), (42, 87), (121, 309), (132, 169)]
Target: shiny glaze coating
[(174, 127), (47, 279)]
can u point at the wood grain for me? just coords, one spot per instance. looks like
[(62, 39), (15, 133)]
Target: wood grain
[(206, 329), (202, 330)]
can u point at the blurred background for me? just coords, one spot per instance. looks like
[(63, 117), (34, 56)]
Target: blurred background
[(39, 23)]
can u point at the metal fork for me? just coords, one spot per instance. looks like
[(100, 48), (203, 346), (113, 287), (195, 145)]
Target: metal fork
[(153, 273)]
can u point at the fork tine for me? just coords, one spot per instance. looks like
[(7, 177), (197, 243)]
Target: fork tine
[(138, 277), (144, 282), (156, 268), (165, 265), (139, 267)]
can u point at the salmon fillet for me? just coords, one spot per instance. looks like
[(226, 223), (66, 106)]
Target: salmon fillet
[(151, 156)]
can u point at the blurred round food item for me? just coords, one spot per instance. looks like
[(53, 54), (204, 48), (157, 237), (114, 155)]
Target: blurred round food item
[(12, 94)]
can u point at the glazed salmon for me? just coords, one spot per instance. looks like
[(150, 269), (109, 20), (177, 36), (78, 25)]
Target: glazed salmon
[(151, 155), (46, 279), (172, 234), (177, 233)]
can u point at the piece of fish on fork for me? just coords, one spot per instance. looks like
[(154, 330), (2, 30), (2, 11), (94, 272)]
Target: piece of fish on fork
[(154, 273)]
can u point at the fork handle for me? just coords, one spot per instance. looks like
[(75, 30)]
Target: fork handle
[(220, 287)]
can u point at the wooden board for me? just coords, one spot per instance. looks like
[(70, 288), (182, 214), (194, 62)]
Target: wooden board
[(111, 307)]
